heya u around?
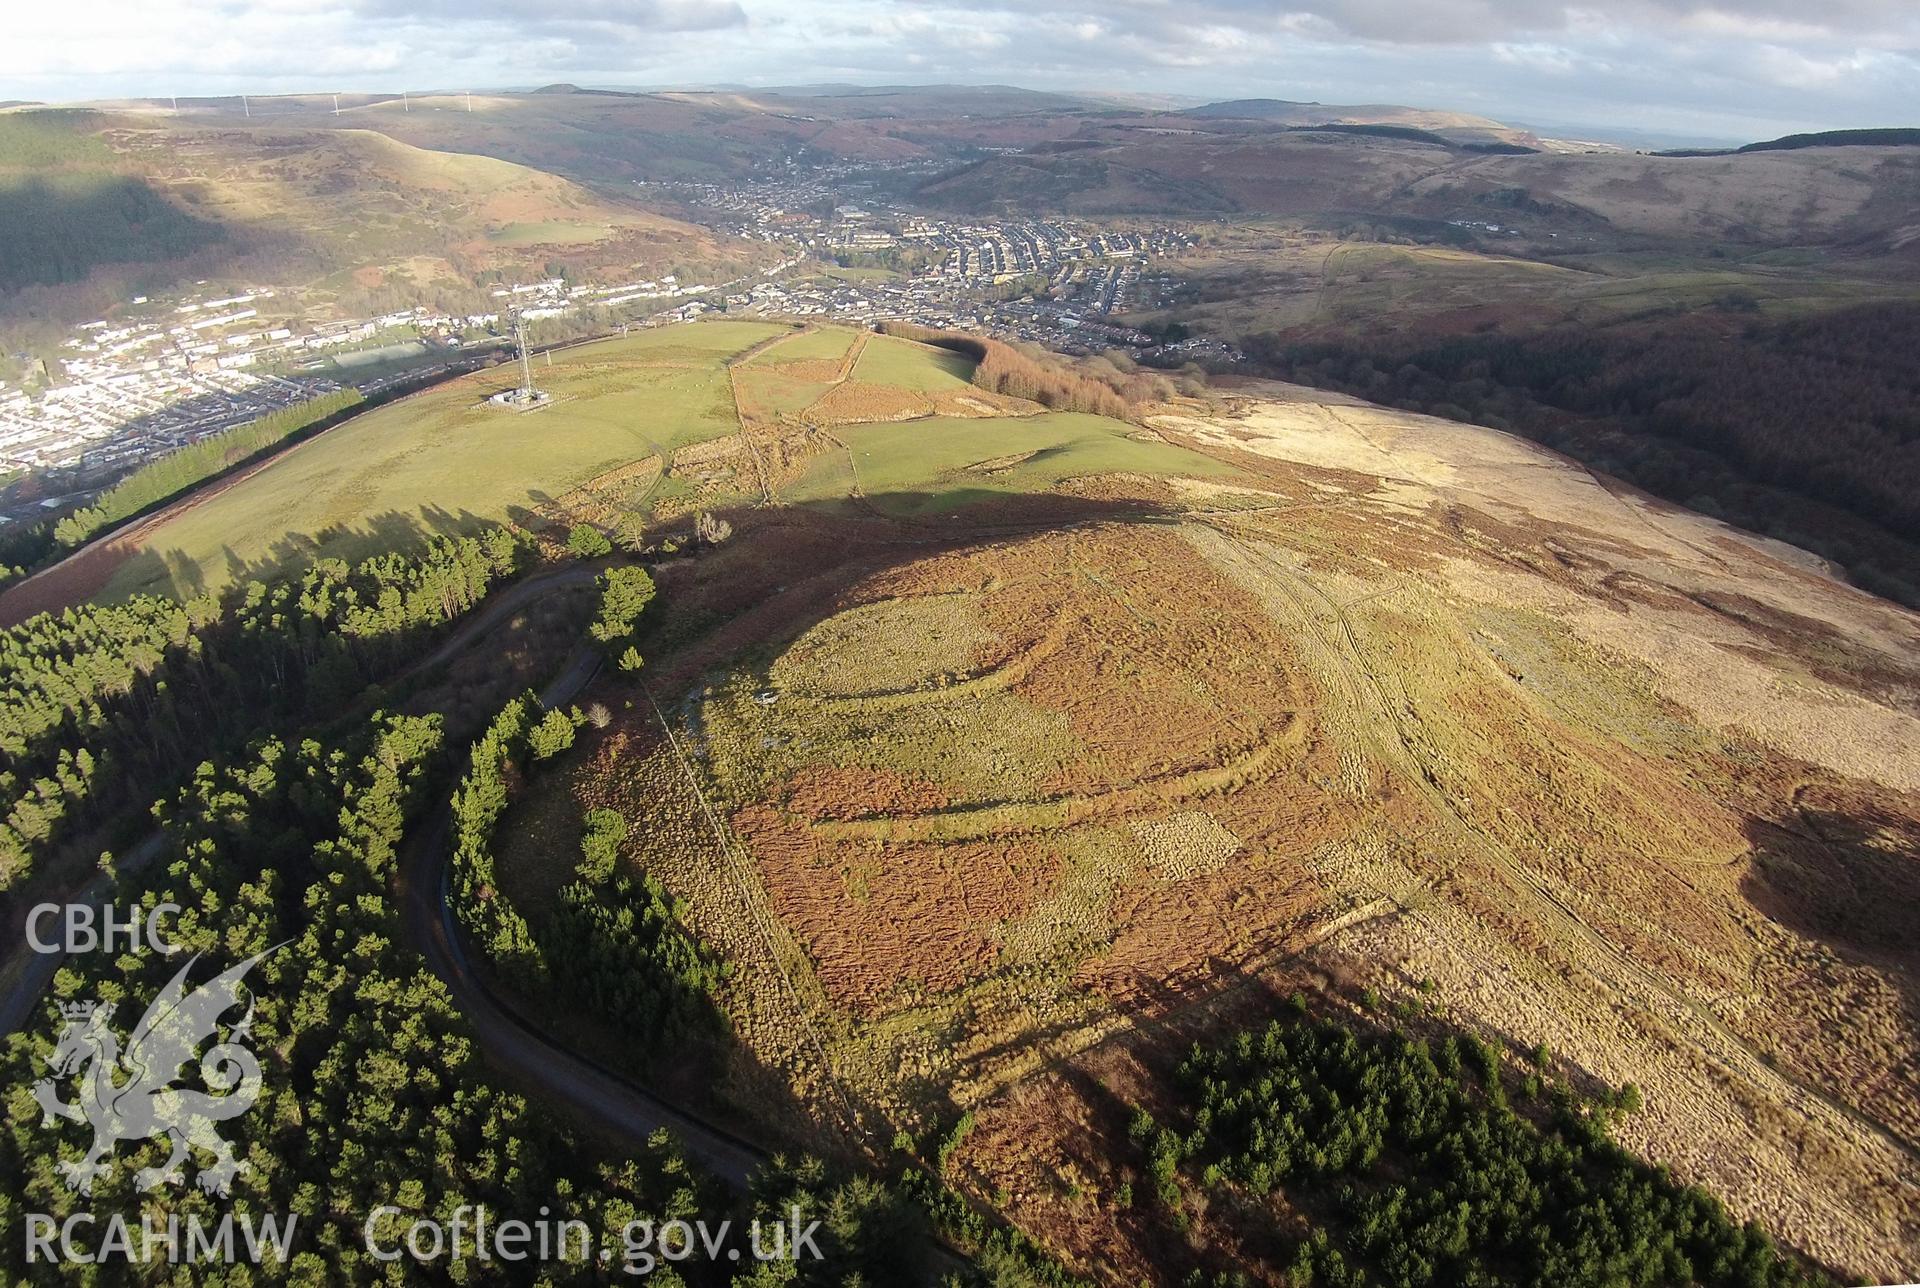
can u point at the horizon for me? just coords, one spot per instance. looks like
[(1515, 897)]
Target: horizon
[(1616, 134), (1685, 70)]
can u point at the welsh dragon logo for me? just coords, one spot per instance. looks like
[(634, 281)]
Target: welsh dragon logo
[(134, 1094)]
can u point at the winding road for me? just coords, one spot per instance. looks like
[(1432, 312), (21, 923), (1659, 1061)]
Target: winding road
[(515, 1043), (510, 1040)]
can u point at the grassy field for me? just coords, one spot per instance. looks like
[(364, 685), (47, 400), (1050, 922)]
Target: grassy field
[(828, 344), (551, 233), (445, 461), (941, 463), (771, 391), (906, 365), (862, 274)]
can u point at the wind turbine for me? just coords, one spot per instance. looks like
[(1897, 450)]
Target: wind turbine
[(336, 105), (245, 107)]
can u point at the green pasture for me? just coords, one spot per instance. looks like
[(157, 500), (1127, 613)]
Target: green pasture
[(773, 391), (903, 364), (827, 344), (445, 460), (551, 232)]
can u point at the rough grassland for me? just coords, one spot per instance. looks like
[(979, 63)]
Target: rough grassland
[(445, 460), (1433, 714), (770, 391)]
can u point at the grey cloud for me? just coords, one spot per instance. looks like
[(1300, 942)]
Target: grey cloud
[(608, 17), (1469, 22)]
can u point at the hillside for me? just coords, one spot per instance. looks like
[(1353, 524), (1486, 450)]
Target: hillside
[(1015, 752), (70, 204), (1457, 126), (640, 430), (1858, 197), (349, 217), (1040, 746), (445, 462)]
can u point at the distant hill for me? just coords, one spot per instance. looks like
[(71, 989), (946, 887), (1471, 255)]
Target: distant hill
[(1284, 112), (69, 205), (1895, 137), (1882, 138), (99, 205), (1261, 109), (564, 87), (916, 101)]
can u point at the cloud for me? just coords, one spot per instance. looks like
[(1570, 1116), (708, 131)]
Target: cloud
[(1470, 22), (621, 16)]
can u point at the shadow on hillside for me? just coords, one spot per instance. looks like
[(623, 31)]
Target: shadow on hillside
[(1849, 879), (782, 571), (171, 571), (58, 232)]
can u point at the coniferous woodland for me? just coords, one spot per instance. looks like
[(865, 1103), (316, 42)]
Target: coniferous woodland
[(289, 843), (103, 707), (1414, 1168), (615, 942), (373, 1093)]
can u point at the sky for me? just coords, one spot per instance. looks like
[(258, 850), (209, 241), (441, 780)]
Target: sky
[(1731, 69)]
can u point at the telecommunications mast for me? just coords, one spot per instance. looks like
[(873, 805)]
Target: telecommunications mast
[(525, 396), (526, 367)]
